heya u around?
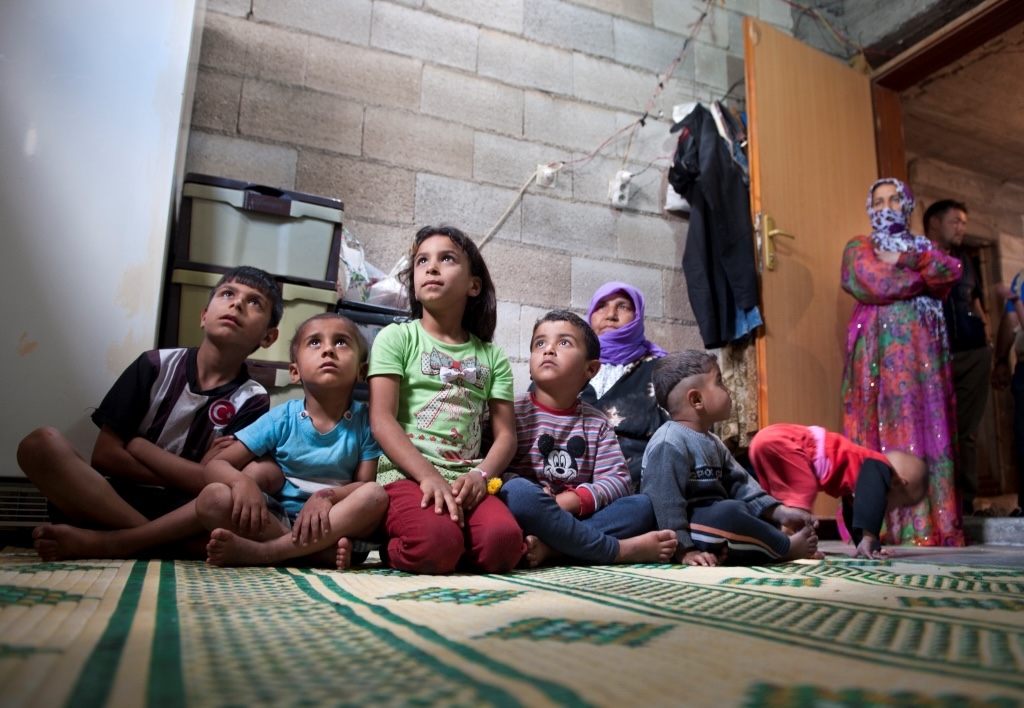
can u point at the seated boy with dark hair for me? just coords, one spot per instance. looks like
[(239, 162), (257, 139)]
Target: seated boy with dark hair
[(795, 462), (568, 485), (169, 413), (699, 491)]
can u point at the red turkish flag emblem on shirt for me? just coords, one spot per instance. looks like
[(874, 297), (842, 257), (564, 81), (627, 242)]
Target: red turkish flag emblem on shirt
[(221, 413)]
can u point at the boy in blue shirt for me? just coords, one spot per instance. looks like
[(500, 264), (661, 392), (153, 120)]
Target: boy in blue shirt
[(168, 414), (320, 450)]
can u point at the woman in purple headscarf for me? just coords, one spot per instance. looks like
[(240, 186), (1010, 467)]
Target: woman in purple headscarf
[(622, 387), (897, 384)]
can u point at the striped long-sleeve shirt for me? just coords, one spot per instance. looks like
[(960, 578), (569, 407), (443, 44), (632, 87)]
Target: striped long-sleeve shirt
[(570, 449)]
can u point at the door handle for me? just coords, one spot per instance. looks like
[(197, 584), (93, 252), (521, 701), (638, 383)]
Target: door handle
[(769, 242)]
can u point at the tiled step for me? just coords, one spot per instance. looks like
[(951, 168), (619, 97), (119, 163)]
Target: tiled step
[(1004, 531)]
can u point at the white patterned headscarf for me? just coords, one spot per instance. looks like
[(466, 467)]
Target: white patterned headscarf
[(890, 231)]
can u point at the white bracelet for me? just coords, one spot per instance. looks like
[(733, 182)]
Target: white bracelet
[(482, 473)]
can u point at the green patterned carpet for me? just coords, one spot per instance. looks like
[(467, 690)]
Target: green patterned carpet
[(829, 633)]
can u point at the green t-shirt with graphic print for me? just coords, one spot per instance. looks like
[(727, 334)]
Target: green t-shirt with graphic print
[(442, 394)]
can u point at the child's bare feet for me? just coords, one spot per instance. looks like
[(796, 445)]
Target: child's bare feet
[(55, 542), (229, 549), (343, 554), (802, 544), (536, 552), (651, 547)]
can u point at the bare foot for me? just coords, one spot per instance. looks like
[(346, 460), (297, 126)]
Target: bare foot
[(229, 549), (651, 547), (55, 542), (536, 552), (802, 544), (343, 556)]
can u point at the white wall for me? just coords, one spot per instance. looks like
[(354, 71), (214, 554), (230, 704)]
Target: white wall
[(95, 97)]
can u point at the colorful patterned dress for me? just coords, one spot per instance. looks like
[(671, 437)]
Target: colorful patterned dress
[(897, 385)]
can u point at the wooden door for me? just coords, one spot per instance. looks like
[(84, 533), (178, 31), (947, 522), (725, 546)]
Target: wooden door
[(812, 159)]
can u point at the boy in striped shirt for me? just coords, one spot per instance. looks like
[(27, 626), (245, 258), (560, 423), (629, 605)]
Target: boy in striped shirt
[(568, 485)]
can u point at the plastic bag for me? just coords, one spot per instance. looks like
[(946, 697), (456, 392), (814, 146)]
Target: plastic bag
[(354, 278), (389, 291)]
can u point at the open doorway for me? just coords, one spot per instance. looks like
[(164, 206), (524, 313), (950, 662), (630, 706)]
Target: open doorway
[(961, 115)]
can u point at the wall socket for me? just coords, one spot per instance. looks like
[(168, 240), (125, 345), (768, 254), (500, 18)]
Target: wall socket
[(618, 189), (546, 175)]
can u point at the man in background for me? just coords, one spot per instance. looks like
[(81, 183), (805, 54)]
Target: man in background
[(945, 222)]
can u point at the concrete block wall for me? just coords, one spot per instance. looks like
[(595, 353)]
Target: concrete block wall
[(418, 112)]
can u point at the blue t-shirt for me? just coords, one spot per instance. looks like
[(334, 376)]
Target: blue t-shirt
[(310, 460), (1017, 286)]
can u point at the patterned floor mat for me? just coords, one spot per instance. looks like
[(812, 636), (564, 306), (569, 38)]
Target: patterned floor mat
[(832, 632)]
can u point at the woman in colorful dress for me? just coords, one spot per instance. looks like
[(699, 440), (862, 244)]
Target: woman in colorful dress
[(897, 384), (622, 387)]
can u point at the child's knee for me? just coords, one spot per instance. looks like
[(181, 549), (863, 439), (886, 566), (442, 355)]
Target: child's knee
[(430, 550), (37, 446), (372, 497), (499, 547), (213, 505), (522, 497)]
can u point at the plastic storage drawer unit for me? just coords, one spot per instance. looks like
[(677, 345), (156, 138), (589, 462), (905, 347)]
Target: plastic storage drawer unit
[(190, 291), (228, 223)]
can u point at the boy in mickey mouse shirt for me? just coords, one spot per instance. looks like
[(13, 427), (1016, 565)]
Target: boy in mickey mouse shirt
[(568, 485)]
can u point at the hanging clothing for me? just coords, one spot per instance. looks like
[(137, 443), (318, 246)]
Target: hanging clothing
[(897, 385), (721, 277)]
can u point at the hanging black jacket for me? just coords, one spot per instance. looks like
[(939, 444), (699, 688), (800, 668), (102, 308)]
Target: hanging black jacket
[(718, 262)]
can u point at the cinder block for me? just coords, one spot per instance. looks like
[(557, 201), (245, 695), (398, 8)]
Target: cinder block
[(566, 123), (610, 84), (638, 10), (652, 142), (369, 76), (506, 15), (526, 274), (680, 16), (420, 34), (677, 299), (712, 69), (472, 207), (469, 100), (646, 47), (238, 8), (572, 227), (564, 25), (778, 13), (418, 142), (244, 160), (528, 316), (216, 101), (651, 239), (506, 334), (744, 7), (673, 337), (521, 376), (347, 20), (736, 40), (521, 62), (509, 163), (300, 117), (369, 190), (254, 50), (588, 275)]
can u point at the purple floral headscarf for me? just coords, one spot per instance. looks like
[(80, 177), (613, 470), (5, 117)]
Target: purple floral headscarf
[(627, 343), (890, 229)]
